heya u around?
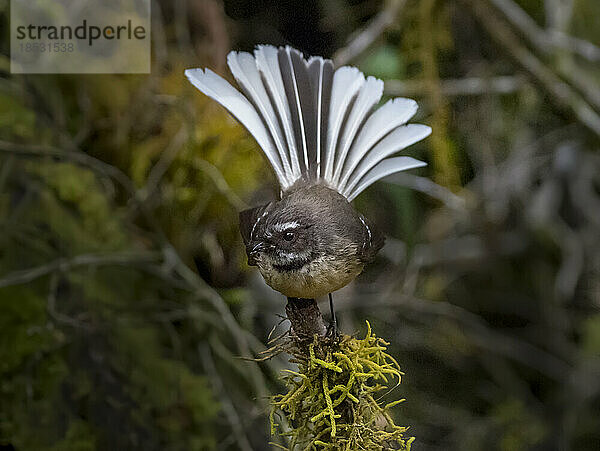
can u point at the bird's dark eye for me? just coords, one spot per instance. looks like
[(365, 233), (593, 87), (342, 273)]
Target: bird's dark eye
[(288, 236)]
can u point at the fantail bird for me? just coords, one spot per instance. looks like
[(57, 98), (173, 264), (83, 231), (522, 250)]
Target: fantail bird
[(317, 129)]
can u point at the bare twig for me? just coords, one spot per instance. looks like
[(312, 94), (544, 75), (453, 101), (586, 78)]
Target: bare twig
[(561, 91), (212, 15), (228, 408), (547, 41), (220, 183), (204, 291), (364, 38), (480, 333), (582, 47), (51, 306), (162, 166), (470, 86), (65, 264), (305, 317), (75, 156), (429, 187), (171, 258)]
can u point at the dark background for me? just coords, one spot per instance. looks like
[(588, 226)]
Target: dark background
[(125, 300)]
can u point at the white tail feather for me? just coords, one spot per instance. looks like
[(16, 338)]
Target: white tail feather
[(313, 123), (319, 109), (268, 64), (346, 83), (320, 145), (394, 113), (369, 95), (384, 168), (402, 137), (220, 90), (244, 69)]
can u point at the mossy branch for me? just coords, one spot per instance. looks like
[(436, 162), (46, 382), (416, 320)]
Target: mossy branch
[(305, 318), (331, 401)]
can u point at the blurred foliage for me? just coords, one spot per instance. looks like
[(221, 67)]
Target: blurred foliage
[(125, 299)]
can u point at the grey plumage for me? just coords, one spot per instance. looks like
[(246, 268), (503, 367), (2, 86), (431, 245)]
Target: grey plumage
[(331, 242), (312, 123), (318, 130)]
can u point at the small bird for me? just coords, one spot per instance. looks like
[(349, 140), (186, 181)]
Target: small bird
[(326, 142)]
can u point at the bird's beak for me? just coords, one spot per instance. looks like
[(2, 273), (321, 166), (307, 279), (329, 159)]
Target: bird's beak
[(253, 250)]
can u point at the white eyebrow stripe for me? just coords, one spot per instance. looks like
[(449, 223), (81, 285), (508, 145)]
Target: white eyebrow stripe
[(256, 223), (367, 227), (286, 226)]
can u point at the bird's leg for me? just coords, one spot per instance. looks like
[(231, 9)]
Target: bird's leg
[(333, 324)]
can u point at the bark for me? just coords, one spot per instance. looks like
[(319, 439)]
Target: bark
[(306, 318)]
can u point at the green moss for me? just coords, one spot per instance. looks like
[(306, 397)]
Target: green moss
[(334, 399), (79, 437)]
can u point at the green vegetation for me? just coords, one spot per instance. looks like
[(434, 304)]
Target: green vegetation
[(129, 318), (334, 399)]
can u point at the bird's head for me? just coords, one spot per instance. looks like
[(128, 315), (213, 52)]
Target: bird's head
[(281, 237), (309, 243)]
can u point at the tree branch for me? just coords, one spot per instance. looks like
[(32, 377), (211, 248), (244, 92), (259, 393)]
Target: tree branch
[(368, 35), (561, 91), (470, 86), (65, 264), (172, 260), (545, 40), (306, 318)]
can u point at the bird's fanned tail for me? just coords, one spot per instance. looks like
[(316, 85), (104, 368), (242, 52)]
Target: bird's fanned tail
[(312, 123)]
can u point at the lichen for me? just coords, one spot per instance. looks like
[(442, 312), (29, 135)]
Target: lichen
[(334, 400)]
